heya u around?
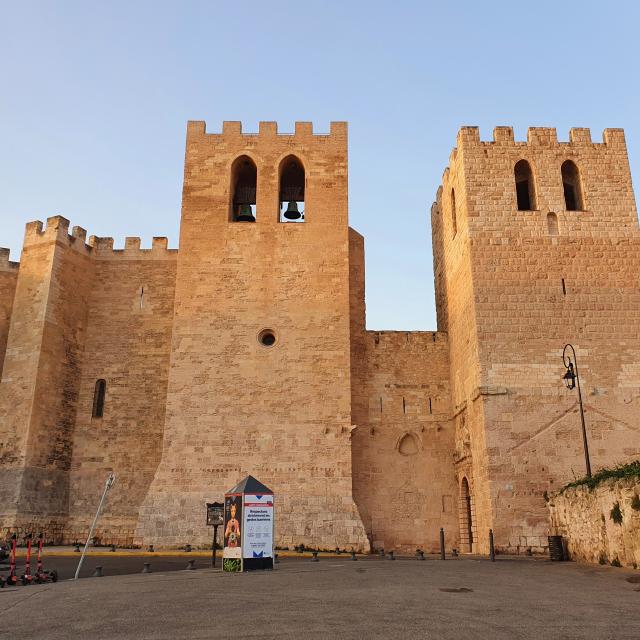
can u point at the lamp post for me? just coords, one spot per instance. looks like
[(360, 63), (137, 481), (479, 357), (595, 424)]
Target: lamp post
[(571, 378)]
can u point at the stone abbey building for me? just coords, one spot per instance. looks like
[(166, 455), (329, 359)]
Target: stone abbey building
[(245, 351)]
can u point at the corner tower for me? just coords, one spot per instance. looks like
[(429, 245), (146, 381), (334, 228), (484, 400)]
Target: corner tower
[(536, 244), (259, 379)]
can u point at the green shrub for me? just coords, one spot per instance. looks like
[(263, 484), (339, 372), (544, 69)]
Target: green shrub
[(631, 470), (616, 514), (602, 559), (231, 564), (615, 562)]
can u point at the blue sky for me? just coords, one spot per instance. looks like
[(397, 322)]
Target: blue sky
[(94, 99)]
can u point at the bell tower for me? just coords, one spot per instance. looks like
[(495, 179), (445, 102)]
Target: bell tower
[(259, 378), (536, 245)]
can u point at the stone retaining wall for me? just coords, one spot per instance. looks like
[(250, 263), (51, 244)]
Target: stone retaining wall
[(590, 522)]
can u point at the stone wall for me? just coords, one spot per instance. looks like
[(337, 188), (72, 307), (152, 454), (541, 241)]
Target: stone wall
[(404, 481), (8, 280), (583, 517), (130, 317)]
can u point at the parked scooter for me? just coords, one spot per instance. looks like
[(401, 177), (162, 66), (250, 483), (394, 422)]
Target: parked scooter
[(42, 575), (12, 578), (26, 578)]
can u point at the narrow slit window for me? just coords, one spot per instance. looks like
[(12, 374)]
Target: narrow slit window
[(99, 394), (564, 288), (292, 190), (571, 187), (404, 406), (552, 224), (525, 188), (430, 407), (244, 179), (142, 297)]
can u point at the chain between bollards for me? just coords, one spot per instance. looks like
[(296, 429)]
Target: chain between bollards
[(492, 551), (442, 554)]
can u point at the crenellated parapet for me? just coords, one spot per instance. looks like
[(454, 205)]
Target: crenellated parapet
[(103, 249), (57, 230), (540, 137), (232, 130)]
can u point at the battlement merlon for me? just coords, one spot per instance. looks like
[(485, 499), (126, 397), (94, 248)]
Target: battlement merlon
[(232, 129), (540, 137), (5, 263)]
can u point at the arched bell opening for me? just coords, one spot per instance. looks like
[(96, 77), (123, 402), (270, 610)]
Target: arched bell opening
[(291, 190), (525, 186), (244, 178), (571, 187), (466, 517)]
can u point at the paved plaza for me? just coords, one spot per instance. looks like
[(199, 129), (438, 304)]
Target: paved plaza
[(511, 599)]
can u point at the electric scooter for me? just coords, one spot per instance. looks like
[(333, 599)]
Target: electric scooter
[(12, 578), (41, 574), (26, 578)]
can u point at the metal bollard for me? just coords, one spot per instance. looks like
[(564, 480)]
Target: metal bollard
[(147, 567), (338, 552), (492, 551), (113, 547), (187, 548), (97, 573), (442, 556), (314, 555), (77, 548), (151, 549), (191, 565), (391, 556), (382, 553), (420, 554), (353, 555), (275, 559)]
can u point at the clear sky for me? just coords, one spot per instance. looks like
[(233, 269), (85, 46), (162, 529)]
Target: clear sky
[(94, 99)]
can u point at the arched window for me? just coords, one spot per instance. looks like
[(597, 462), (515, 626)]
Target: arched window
[(291, 190), (572, 188), (454, 220), (552, 224), (525, 187), (244, 177), (99, 393)]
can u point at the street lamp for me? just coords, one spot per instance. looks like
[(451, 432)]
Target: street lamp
[(571, 379)]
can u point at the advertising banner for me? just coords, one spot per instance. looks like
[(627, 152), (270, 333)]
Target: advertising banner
[(257, 535), (232, 548)]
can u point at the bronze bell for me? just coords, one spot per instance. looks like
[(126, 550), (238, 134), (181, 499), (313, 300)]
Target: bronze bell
[(292, 212), (245, 214)]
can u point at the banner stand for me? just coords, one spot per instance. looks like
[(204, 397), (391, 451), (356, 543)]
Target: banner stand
[(248, 527)]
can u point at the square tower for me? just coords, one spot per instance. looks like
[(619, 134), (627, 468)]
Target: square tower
[(536, 244), (259, 379)]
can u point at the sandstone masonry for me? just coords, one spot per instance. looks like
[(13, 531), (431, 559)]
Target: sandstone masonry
[(246, 351)]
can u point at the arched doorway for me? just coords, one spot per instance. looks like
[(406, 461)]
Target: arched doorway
[(466, 518)]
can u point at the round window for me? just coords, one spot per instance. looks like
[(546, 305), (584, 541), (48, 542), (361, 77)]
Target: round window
[(267, 338)]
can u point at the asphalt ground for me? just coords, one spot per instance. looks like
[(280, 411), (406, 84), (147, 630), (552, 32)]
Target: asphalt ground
[(336, 598)]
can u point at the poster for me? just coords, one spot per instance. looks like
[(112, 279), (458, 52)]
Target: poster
[(257, 537), (232, 548)]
